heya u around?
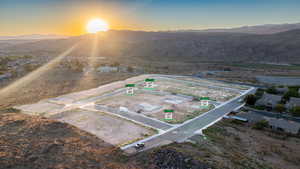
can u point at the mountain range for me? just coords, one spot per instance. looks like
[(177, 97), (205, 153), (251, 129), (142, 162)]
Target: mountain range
[(133, 46)]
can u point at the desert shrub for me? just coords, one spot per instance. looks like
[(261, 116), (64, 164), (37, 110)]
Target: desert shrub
[(130, 69), (115, 64), (9, 110), (260, 125), (261, 107), (30, 67), (280, 108)]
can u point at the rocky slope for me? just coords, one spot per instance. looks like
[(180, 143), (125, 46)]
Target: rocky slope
[(28, 142)]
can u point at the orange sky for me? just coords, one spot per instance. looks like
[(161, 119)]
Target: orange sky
[(69, 17)]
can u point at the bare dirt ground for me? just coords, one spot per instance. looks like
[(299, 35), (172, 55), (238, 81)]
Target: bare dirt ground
[(28, 142), (230, 145), (55, 83), (195, 90), (154, 103), (100, 124)]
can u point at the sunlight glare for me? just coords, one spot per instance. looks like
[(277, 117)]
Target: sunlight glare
[(97, 25)]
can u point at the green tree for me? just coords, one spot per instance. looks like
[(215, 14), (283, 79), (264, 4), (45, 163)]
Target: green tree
[(291, 93), (272, 90), (280, 108), (259, 92), (296, 111), (250, 99)]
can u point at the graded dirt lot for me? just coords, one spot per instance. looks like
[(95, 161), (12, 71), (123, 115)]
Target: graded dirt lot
[(214, 83), (134, 117), (100, 124), (195, 88), (153, 104)]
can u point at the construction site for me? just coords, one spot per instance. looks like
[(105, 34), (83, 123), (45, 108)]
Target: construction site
[(125, 112)]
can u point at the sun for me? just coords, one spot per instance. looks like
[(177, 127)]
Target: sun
[(97, 25)]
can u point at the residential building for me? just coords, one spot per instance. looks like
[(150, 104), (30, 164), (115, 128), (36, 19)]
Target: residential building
[(268, 100), (293, 102)]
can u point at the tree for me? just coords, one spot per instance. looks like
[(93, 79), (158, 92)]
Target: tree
[(259, 92), (261, 125), (250, 99), (272, 90), (280, 108), (296, 111), (290, 93)]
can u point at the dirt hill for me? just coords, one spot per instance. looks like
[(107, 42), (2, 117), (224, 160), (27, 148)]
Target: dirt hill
[(28, 142)]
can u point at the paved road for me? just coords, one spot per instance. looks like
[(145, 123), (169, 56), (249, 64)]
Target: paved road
[(188, 129)]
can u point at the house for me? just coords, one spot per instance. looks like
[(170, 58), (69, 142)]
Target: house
[(293, 102), (276, 124), (284, 125), (250, 116), (282, 90), (107, 69), (268, 100)]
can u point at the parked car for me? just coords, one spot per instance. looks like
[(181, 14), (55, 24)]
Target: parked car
[(139, 146)]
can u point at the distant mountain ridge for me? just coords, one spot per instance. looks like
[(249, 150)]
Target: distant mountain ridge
[(33, 37), (258, 29), (180, 47)]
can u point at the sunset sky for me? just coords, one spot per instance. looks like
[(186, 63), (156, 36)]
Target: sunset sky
[(69, 17)]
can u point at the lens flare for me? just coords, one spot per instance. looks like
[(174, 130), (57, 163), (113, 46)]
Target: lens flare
[(17, 85), (97, 25)]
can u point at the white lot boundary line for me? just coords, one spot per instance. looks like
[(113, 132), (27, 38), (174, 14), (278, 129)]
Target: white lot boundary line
[(150, 118), (122, 117), (116, 93), (144, 116), (175, 127)]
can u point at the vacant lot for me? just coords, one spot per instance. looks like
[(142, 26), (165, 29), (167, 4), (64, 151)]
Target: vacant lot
[(100, 124), (153, 104), (195, 89)]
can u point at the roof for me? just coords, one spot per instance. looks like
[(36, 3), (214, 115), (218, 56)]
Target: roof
[(293, 102), (251, 116), (271, 99), (282, 90), (286, 125)]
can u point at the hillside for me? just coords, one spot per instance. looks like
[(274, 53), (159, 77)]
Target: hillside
[(169, 46), (33, 143), (259, 29)]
